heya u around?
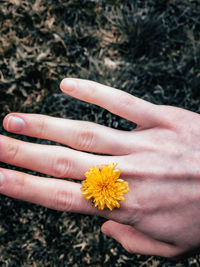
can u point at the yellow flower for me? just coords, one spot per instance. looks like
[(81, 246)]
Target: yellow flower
[(104, 187)]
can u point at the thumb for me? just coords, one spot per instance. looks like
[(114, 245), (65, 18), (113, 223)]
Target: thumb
[(136, 242)]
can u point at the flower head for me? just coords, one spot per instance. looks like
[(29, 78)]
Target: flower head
[(104, 187)]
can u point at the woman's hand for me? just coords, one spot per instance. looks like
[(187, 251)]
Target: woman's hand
[(160, 159)]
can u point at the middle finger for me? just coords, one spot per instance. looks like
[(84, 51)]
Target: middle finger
[(52, 160)]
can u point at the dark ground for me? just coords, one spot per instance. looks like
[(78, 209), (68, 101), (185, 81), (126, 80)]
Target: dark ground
[(148, 48)]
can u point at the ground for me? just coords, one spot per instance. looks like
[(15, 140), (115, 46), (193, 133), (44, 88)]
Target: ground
[(148, 48)]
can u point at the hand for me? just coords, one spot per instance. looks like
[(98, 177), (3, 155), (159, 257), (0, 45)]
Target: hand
[(160, 159)]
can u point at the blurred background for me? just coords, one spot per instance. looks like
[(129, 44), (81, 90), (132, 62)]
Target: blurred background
[(148, 48)]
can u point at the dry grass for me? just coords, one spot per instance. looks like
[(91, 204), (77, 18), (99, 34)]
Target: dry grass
[(148, 48)]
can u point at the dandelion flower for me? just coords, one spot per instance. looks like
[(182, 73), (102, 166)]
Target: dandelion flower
[(104, 187)]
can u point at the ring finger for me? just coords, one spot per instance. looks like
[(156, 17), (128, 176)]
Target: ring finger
[(51, 193)]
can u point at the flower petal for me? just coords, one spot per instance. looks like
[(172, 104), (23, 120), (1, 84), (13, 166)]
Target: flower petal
[(104, 187)]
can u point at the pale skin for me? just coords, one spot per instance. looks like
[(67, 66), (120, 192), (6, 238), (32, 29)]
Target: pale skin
[(160, 159)]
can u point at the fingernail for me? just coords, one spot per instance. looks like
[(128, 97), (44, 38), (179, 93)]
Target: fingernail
[(15, 124), (1, 178), (68, 84)]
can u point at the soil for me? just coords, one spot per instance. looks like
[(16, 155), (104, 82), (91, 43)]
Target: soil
[(148, 48)]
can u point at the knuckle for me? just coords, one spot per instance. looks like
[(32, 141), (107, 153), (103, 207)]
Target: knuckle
[(126, 99), (21, 180), (62, 200), (126, 245), (41, 128), (123, 100), (85, 139), (61, 167), (12, 151), (19, 185)]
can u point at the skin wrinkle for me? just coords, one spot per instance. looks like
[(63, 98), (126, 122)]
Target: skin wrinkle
[(63, 200), (12, 150), (61, 167), (162, 169), (85, 140)]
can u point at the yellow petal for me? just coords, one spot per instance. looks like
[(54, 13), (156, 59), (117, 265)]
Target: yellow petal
[(104, 186)]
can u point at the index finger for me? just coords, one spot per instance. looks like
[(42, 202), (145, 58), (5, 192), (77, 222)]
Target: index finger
[(139, 111)]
